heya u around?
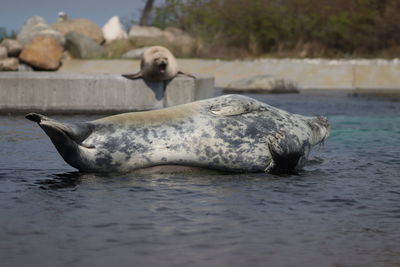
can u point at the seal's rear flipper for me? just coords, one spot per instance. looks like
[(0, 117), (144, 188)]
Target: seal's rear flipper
[(67, 138), (287, 153), (133, 76), (77, 132), (34, 117)]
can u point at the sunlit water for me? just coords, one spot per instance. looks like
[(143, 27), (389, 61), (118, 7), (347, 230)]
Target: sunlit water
[(342, 210)]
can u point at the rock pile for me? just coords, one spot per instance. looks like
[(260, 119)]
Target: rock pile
[(41, 46)]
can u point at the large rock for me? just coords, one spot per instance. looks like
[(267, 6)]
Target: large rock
[(3, 52), (9, 64), (83, 26), (113, 30), (44, 52), (14, 47), (176, 40), (146, 32), (262, 84), (181, 41), (81, 46), (135, 53), (37, 26)]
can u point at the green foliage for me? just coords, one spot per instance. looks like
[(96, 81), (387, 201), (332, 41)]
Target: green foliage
[(338, 27), (117, 48)]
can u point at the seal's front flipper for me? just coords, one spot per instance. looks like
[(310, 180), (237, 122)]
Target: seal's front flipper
[(187, 74), (287, 152), (133, 76)]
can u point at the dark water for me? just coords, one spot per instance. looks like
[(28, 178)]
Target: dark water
[(342, 210)]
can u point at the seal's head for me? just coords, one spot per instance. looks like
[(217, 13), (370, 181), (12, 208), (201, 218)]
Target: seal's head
[(157, 64), (160, 63), (321, 129)]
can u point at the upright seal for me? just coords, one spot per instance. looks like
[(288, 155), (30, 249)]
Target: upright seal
[(157, 64), (229, 133)]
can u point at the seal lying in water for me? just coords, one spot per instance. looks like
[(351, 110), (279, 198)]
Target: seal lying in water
[(157, 64), (229, 133)]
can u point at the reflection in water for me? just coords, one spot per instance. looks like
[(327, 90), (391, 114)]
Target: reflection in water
[(70, 180), (61, 181)]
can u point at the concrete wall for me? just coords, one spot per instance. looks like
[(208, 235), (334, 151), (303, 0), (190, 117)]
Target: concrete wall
[(308, 73), (51, 92), (363, 74)]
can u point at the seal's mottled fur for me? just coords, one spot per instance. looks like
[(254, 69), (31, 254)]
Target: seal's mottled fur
[(230, 133)]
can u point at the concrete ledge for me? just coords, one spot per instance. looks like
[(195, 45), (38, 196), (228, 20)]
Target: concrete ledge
[(50, 92), (368, 74)]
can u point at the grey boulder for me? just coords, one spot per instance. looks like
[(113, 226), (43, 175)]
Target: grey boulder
[(135, 53), (37, 26), (14, 47), (81, 46)]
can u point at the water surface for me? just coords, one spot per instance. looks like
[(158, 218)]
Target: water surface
[(343, 209)]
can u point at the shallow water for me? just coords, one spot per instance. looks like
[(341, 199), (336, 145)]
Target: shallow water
[(342, 210)]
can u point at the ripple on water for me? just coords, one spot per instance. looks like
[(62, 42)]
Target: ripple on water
[(341, 210)]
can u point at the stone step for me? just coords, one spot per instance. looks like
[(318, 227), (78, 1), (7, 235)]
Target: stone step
[(55, 92)]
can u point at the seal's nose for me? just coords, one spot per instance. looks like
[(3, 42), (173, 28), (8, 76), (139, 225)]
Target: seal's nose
[(320, 129), (325, 124)]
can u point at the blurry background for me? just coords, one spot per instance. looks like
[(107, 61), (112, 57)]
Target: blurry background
[(240, 28), (15, 13)]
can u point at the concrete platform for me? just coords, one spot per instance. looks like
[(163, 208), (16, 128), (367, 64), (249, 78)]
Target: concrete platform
[(66, 93), (323, 74)]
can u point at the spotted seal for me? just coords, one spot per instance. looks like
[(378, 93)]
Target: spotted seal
[(230, 133), (157, 64)]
